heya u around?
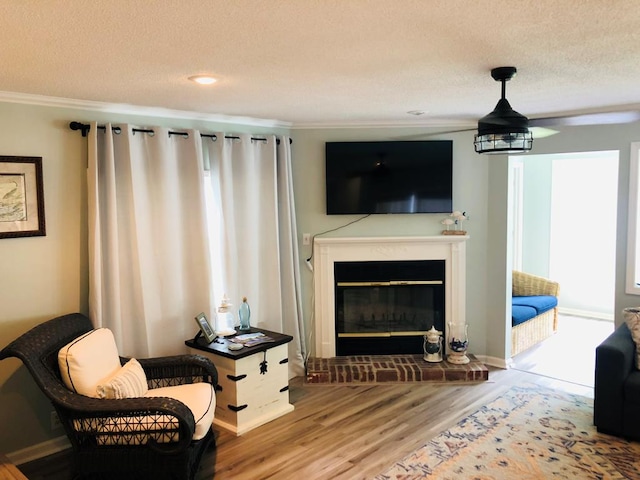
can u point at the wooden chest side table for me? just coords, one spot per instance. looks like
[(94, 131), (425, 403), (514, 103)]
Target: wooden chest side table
[(249, 395)]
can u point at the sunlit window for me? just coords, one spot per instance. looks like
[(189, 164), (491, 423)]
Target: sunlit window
[(633, 249)]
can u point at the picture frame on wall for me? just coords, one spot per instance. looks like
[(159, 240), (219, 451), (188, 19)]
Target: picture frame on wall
[(21, 197)]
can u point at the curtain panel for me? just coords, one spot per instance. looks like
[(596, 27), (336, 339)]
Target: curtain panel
[(256, 251), (148, 248), (176, 222)]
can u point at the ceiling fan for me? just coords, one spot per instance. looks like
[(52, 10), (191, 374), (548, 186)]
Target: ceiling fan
[(506, 131)]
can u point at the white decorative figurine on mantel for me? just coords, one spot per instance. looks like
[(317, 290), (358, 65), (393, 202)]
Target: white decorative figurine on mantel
[(455, 218)]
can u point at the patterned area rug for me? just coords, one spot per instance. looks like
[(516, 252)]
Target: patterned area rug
[(527, 433)]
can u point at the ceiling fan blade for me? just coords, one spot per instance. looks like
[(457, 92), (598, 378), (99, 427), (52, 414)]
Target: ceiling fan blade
[(537, 132), (587, 119), (425, 136), (542, 132)]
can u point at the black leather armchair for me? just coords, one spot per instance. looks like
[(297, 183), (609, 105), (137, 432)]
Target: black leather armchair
[(616, 406)]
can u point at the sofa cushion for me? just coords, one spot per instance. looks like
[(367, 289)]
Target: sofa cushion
[(199, 397), (541, 303), (88, 360), (522, 313), (128, 382)]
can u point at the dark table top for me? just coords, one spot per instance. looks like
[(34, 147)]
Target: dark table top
[(220, 345)]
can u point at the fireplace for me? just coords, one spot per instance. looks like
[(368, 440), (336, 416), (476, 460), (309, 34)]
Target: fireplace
[(444, 304), (386, 307)]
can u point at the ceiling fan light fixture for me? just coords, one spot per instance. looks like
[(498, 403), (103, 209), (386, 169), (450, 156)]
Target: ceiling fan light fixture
[(503, 130)]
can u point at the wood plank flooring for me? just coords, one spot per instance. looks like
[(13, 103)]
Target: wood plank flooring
[(341, 432)]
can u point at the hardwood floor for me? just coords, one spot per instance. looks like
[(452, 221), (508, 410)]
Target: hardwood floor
[(570, 354), (341, 432)]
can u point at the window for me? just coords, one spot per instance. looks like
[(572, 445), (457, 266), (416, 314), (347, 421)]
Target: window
[(633, 250)]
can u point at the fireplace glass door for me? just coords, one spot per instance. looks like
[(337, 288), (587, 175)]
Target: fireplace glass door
[(387, 307)]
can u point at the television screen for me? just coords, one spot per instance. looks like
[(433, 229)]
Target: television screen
[(389, 177)]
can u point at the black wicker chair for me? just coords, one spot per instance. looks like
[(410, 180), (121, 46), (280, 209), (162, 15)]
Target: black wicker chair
[(120, 457)]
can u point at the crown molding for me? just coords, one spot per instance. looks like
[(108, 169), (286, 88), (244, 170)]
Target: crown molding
[(382, 124), (127, 109)]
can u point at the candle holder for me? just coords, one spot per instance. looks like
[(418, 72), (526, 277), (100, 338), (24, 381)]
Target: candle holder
[(432, 346), (458, 343)]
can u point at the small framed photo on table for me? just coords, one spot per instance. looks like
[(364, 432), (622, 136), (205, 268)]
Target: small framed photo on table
[(205, 328), (21, 197)]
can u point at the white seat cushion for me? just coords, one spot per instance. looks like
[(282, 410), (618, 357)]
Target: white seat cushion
[(88, 360), (199, 397)]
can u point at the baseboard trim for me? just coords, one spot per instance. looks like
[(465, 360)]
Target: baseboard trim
[(574, 312), (39, 450), (495, 361)]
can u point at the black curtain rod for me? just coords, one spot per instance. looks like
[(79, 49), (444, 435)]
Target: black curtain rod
[(85, 127)]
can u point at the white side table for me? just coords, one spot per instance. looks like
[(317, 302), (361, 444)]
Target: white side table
[(248, 395)]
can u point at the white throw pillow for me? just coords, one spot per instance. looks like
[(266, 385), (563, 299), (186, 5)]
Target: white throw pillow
[(87, 360), (632, 319), (128, 382)]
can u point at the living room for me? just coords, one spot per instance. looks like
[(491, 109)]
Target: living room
[(48, 276)]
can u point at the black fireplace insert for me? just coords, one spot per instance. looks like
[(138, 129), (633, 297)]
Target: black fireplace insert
[(386, 307)]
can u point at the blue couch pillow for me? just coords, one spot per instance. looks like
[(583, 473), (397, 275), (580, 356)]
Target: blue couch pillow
[(541, 303), (522, 313)]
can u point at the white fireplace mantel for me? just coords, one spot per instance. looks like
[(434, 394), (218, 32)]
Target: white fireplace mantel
[(327, 251)]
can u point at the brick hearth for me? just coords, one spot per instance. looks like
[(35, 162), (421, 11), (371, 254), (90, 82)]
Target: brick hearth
[(363, 369)]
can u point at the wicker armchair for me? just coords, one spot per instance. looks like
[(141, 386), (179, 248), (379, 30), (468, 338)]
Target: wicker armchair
[(158, 439)]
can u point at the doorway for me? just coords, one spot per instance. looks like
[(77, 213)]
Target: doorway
[(565, 211)]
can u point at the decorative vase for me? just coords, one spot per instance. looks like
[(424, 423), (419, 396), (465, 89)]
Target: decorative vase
[(244, 313), (432, 346), (458, 344)]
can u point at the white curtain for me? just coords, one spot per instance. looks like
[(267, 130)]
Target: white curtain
[(148, 247), (255, 228)]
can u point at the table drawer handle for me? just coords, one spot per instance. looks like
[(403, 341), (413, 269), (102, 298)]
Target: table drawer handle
[(218, 388), (284, 389), (237, 409), (284, 360), (235, 379)]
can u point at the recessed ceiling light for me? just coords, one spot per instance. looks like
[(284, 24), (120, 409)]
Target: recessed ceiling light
[(203, 79)]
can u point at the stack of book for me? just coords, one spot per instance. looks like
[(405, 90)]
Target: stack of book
[(252, 339)]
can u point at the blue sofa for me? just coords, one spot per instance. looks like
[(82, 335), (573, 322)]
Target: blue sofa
[(534, 310)]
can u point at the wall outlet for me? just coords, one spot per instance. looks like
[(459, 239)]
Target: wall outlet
[(55, 421), (306, 239)]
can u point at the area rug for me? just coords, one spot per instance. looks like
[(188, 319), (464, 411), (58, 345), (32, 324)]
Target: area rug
[(527, 433)]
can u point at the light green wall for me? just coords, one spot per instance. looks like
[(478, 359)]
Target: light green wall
[(47, 276), (470, 180)]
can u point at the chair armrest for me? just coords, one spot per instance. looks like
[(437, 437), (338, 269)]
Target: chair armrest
[(178, 370), (160, 423), (526, 284), (614, 362)]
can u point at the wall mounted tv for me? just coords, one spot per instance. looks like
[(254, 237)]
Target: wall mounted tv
[(389, 177)]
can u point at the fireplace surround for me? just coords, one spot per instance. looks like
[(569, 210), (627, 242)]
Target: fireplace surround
[(329, 251)]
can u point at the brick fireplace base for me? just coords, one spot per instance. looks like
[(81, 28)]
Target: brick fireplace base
[(368, 369)]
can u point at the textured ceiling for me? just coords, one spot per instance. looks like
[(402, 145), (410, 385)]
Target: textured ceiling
[(325, 62)]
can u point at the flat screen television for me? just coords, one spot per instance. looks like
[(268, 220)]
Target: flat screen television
[(389, 177)]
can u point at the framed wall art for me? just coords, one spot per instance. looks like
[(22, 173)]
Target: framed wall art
[(21, 197)]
